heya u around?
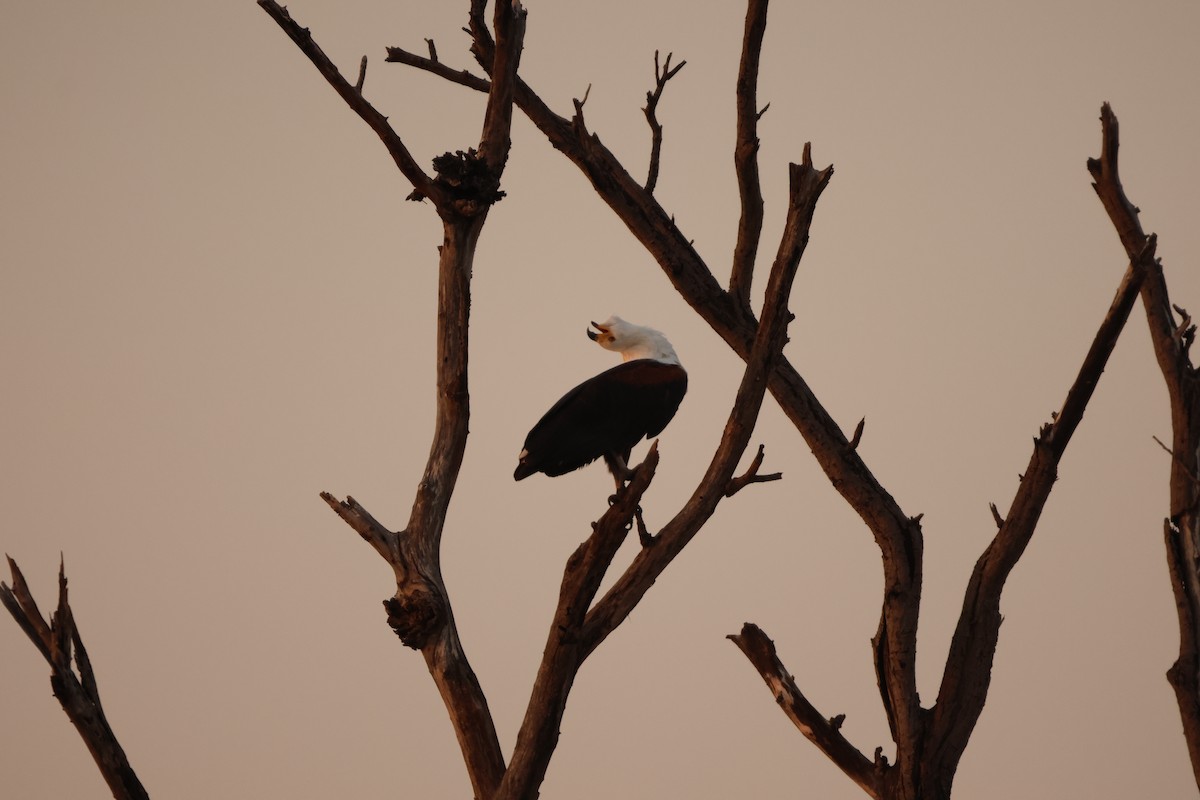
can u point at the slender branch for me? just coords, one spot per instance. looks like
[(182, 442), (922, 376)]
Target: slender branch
[(745, 155), (661, 76), (751, 475), (59, 642), (1171, 344), (967, 674), (362, 75), (353, 98), (398, 55), (495, 142), (564, 653), (823, 732)]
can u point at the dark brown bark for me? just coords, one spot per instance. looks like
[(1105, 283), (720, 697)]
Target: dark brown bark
[(59, 642), (745, 156), (1172, 341)]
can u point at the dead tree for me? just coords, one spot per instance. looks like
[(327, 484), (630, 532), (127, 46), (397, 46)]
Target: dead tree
[(1172, 341), (929, 740)]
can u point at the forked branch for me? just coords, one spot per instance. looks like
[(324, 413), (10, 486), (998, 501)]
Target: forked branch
[(661, 76), (967, 675), (59, 642), (564, 652), (1171, 341)]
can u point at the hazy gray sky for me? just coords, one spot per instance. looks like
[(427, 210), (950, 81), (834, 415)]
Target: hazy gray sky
[(216, 303)]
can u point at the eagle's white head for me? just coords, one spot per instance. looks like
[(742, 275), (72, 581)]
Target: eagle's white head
[(632, 341)]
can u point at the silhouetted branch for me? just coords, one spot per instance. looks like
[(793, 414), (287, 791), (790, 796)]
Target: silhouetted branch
[(1171, 343), (824, 733), (565, 652), (59, 642), (398, 55), (745, 155), (353, 98), (661, 76), (967, 674), (751, 475)]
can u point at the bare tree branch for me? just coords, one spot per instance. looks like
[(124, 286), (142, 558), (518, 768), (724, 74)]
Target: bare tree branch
[(353, 97), (1171, 343), (564, 652), (508, 19), (76, 692), (967, 674), (824, 733), (661, 76), (751, 475), (398, 55), (745, 155)]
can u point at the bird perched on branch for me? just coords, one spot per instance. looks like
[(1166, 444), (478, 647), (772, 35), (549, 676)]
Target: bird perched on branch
[(605, 416)]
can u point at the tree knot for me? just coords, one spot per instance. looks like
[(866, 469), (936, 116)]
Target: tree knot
[(416, 615), (467, 180)]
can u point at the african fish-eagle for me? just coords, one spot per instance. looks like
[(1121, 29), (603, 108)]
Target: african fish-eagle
[(605, 416)]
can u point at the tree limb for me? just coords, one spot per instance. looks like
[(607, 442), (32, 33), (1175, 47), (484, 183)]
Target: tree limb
[(967, 674), (745, 155), (421, 182), (564, 652), (77, 693), (1171, 344), (819, 730)]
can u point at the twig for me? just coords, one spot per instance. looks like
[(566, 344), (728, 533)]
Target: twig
[(362, 75), (661, 76), (751, 475), (858, 432), (398, 55)]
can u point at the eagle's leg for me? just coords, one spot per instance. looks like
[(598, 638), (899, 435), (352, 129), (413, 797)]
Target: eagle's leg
[(616, 463)]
